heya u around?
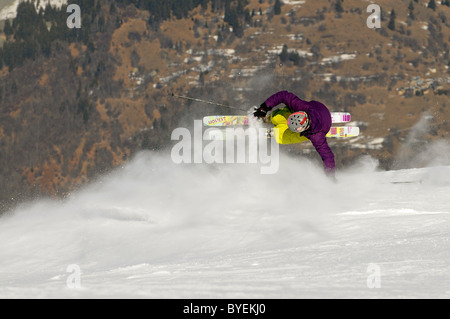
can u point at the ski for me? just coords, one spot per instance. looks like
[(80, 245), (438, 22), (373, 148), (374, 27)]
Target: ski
[(226, 120), (241, 120), (343, 131), (340, 117), (335, 132)]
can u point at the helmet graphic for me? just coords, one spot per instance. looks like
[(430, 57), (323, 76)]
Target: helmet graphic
[(298, 122)]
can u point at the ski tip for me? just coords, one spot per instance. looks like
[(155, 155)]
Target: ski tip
[(343, 131)]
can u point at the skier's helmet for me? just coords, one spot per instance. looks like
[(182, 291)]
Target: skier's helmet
[(298, 122)]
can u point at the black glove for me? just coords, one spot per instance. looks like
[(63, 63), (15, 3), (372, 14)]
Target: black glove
[(261, 111)]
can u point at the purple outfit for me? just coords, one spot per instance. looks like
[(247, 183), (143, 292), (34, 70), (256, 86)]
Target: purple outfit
[(320, 118)]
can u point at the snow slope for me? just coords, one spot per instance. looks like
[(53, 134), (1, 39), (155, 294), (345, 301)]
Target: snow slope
[(154, 229)]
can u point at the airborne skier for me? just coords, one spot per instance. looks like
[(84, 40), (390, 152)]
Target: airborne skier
[(300, 121)]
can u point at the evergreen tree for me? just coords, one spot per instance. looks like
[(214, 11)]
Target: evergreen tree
[(411, 10), (232, 18), (338, 6), (295, 58), (8, 30), (432, 4), (284, 55), (277, 7), (391, 25), (112, 8), (27, 21)]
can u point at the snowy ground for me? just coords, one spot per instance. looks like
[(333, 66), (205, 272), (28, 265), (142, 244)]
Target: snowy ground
[(154, 229)]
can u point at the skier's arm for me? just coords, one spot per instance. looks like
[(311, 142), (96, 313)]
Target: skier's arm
[(294, 103), (288, 98)]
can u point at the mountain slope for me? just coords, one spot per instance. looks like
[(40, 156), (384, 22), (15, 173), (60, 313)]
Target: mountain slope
[(104, 94), (8, 8)]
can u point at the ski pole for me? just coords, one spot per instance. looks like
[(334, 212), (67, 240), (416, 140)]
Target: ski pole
[(207, 102)]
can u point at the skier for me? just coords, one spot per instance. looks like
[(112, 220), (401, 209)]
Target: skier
[(300, 121)]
